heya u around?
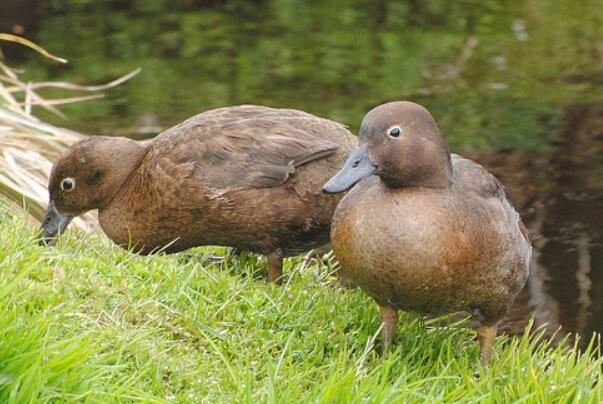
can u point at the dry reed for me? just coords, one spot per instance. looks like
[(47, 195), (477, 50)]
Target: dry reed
[(28, 146)]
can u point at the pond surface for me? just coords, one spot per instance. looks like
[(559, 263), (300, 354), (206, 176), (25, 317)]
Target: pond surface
[(516, 85)]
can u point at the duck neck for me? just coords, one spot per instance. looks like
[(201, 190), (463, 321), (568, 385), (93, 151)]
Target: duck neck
[(424, 172), (124, 159)]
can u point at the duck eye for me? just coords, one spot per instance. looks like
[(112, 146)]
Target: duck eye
[(394, 131), (68, 184)]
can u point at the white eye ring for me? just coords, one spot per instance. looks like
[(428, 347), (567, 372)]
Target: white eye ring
[(68, 184), (394, 131)]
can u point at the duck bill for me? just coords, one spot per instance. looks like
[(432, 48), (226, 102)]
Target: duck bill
[(53, 225), (356, 167)]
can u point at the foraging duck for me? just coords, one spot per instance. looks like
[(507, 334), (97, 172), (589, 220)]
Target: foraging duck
[(430, 232), (248, 176)]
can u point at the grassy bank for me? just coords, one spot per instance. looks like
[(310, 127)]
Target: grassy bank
[(88, 321)]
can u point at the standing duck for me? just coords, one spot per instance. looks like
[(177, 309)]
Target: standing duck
[(249, 177), (430, 232)]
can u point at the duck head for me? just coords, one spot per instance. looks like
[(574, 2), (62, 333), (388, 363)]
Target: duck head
[(85, 177), (402, 144)]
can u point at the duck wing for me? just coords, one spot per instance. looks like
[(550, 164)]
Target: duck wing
[(259, 153), (470, 177), (249, 146)]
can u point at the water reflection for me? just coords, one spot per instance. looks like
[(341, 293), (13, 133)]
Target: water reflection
[(560, 196), (470, 62)]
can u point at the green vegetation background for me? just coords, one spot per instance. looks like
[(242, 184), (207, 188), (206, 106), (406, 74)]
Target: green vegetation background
[(495, 73)]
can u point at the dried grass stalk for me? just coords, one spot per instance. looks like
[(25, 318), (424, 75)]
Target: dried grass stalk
[(28, 146)]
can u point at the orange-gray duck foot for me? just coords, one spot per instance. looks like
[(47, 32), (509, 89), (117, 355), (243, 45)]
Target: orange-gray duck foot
[(275, 269), (389, 316), (486, 336), (423, 230), (247, 176)]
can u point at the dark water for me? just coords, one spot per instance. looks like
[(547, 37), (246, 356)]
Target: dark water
[(515, 85), (560, 195)]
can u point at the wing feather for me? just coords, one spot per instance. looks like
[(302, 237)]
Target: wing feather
[(248, 147)]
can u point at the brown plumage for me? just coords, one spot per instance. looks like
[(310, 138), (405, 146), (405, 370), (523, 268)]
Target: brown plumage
[(430, 232), (245, 176)]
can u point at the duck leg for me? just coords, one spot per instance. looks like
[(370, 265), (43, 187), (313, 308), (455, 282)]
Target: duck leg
[(236, 251), (389, 315), (275, 269), (345, 281), (486, 334)]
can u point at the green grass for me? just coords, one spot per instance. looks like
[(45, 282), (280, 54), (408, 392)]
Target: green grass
[(87, 321)]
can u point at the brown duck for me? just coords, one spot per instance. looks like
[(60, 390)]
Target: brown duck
[(430, 232), (249, 177)]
